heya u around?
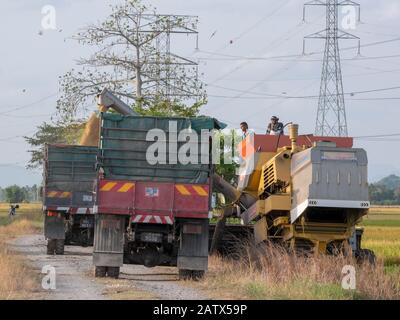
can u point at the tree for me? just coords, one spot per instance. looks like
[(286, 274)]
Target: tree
[(227, 170), (132, 58), (14, 194), (63, 133)]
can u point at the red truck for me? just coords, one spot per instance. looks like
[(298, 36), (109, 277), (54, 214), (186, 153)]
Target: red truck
[(150, 214)]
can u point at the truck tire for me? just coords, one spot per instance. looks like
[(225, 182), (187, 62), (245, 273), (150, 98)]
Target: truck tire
[(60, 246), (51, 246), (113, 272), (68, 238), (100, 272), (366, 256), (195, 275)]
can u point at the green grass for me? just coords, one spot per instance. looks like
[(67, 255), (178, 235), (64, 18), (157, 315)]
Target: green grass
[(381, 223), (255, 290), (27, 211), (299, 290), (17, 281), (382, 235)]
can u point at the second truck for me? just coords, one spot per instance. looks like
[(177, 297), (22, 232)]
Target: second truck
[(152, 214)]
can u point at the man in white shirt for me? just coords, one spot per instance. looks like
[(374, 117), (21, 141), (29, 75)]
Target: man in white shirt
[(245, 130)]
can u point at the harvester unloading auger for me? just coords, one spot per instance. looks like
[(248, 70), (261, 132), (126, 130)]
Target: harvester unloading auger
[(305, 192), (105, 100)]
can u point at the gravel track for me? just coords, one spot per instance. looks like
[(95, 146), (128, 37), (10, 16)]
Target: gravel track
[(75, 280)]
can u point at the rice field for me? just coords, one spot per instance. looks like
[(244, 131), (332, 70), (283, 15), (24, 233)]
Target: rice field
[(17, 280), (382, 234), (290, 277), (29, 211)]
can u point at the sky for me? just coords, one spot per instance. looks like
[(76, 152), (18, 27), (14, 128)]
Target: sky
[(240, 43)]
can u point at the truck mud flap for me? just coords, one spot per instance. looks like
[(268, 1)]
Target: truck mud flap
[(193, 246), (54, 226), (108, 240)]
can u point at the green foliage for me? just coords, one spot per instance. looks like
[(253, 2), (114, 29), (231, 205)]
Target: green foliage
[(14, 194), (391, 182), (62, 133), (227, 170), (132, 64), (385, 192), (17, 194), (167, 108)]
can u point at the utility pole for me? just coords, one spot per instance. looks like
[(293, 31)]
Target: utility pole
[(331, 115), (165, 63)]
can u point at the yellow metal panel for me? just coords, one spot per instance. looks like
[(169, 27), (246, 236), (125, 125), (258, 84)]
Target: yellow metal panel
[(52, 194), (275, 171), (108, 186), (65, 194), (182, 190), (280, 221), (254, 180), (276, 202), (200, 191), (126, 187)]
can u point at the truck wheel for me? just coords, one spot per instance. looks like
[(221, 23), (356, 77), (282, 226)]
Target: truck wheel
[(366, 255), (68, 238), (51, 246), (198, 274), (113, 272), (60, 246), (100, 272), (195, 275)]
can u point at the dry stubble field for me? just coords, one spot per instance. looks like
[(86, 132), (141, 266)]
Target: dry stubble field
[(282, 277)]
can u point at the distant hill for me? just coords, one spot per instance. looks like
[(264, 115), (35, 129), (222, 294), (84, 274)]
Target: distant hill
[(13, 174), (391, 182)]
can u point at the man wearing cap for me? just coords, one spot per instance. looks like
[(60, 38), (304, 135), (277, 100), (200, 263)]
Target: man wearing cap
[(275, 128)]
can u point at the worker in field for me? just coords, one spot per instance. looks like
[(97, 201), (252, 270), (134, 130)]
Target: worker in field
[(245, 130), (13, 209), (275, 128)]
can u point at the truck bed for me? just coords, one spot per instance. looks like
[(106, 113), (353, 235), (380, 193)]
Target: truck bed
[(69, 178)]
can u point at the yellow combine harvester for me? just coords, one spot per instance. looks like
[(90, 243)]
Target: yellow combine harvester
[(305, 192)]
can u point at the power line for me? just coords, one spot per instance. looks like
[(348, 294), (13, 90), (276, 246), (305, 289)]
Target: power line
[(279, 58), (379, 136), (242, 34), (274, 44), (29, 104), (266, 95), (314, 98), (378, 71), (296, 55), (28, 116)]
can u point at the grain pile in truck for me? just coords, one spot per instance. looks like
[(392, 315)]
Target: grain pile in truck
[(152, 213)]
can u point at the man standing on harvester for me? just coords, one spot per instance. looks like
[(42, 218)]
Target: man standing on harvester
[(275, 128)]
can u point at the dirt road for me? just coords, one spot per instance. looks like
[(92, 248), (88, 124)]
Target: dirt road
[(75, 280)]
